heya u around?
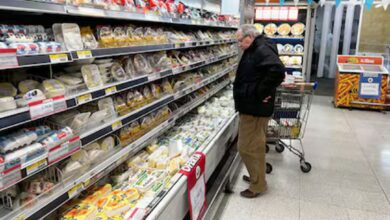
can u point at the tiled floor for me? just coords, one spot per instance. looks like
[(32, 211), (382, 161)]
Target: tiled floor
[(350, 179)]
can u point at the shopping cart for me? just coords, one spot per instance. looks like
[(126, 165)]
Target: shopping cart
[(288, 123)]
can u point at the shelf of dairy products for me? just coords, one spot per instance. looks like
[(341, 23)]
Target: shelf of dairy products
[(68, 57), (71, 10), (20, 171), (20, 116), (69, 189), (140, 199)]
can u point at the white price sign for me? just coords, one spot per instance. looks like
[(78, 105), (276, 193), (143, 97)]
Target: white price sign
[(47, 107)]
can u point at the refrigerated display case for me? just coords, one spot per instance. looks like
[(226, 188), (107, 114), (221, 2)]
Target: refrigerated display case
[(91, 86)]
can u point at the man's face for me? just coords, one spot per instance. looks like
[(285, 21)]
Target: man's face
[(244, 41)]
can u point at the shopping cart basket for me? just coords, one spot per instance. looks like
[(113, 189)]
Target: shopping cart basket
[(288, 123)]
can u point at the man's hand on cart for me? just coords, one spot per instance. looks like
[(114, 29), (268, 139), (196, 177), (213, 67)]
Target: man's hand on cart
[(266, 99)]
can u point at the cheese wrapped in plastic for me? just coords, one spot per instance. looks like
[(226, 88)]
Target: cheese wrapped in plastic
[(162, 163), (151, 148), (132, 194), (84, 212), (91, 76), (116, 205), (174, 166), (107, 143), (144, 183), (52, 88), (28, 85)]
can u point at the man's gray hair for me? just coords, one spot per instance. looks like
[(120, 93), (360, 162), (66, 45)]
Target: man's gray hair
[(249, 30)]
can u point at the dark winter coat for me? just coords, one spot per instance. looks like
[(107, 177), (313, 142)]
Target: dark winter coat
[(259, 73)]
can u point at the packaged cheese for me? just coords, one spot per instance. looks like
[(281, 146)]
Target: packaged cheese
[(144, 183), (83, 212), (116, 204), (28, 85), (53, 87), (91, 76), (107, 143), (72, 36), (132, 194)]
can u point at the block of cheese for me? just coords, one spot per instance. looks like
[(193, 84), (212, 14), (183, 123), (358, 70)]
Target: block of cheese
[(132, 194), (159, 174), (116, 205), (83, 212), (108, 143), (174, 166), (104, 190), (151, 148), (162, 163), (144, 183), (135, 162)]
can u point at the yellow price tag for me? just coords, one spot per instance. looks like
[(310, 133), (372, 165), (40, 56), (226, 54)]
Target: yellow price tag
[(84, 98), (84, 54), (124, 157), (111, 90), (75, 190), (20, 217), (116, 125), (58, 58), (36, 166), (87, 182)]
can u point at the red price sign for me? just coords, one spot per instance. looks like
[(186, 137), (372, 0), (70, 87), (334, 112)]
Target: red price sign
[(8, 58), (194, 169)]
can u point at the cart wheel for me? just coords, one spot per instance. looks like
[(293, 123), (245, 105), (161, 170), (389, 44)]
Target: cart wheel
[(266, 148), (279, 148), (268, 169), (305, 167)]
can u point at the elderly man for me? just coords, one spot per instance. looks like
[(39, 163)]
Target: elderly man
[(259, 73)]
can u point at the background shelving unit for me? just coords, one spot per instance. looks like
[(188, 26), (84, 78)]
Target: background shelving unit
[(305, 13)]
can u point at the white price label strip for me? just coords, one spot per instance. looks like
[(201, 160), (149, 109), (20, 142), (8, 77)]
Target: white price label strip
[(84, 54), (58, 58), (84, 98), (36, 166), (47, 107), (41, 110)]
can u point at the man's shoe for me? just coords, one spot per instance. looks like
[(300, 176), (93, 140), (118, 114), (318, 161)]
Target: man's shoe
[(246, 178), (249, 194)]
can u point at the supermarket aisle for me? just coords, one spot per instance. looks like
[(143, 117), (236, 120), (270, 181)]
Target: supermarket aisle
[(350, 179)]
